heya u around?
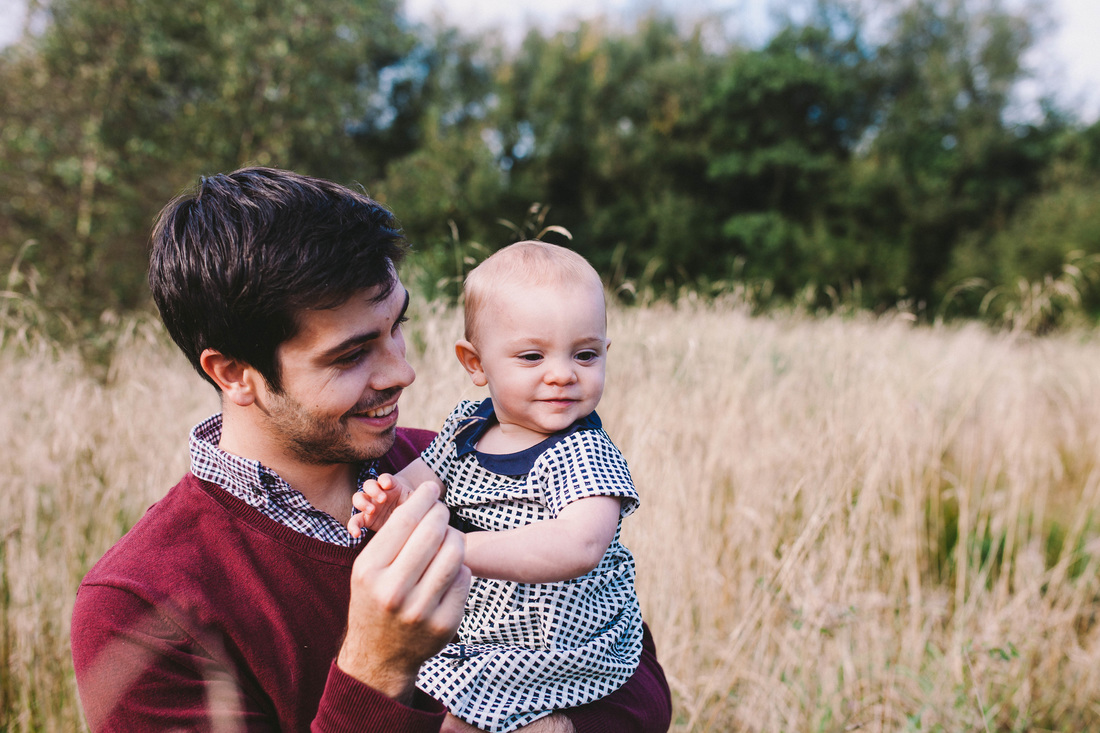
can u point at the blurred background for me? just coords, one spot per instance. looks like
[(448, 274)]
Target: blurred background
[(941, 156), (845, 220)]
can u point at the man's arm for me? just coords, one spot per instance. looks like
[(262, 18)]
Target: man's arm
[(137, 669)]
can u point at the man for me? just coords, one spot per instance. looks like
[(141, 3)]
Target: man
[(240, 602)]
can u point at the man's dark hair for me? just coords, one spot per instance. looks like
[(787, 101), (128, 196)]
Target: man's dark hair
[(236, 260)]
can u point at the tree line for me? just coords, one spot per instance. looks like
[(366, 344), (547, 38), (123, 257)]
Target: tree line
[(874, 162)]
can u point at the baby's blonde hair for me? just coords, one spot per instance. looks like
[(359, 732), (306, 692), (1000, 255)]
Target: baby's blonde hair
[(524, 263)]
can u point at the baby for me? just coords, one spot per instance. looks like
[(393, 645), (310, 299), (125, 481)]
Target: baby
[(552, 620)]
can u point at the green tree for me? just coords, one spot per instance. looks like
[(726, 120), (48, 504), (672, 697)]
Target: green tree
[(828, 156), (677, 157), (943, 159), (784, 122), (120, 103), (1055, 234), (604, 128), (443, 175)]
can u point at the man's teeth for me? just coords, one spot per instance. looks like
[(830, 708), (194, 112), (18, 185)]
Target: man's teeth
[(381, 411)]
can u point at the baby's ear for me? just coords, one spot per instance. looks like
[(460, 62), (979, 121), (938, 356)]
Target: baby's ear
[(470, 361)]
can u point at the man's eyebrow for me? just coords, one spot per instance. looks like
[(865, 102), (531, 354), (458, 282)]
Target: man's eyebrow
[(404, 306), (362, 338)]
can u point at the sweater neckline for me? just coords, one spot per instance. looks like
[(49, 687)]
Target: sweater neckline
[(257, 521)]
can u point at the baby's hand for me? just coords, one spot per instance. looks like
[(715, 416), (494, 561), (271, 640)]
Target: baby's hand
[(376, 501)]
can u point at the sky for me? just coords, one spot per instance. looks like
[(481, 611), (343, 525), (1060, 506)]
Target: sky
[(1066, 63)]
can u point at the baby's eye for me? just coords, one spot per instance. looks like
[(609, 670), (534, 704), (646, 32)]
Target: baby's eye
[(530, 357), (586, 356)]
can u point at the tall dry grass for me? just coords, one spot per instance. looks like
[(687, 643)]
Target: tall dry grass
[(846, 522), (84, 452)]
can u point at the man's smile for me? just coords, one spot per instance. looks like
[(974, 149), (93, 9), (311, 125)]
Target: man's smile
[(384, 405), (379, 412)]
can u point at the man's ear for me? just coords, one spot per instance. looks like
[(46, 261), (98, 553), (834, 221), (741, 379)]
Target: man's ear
[(236, 380), (471, 362)]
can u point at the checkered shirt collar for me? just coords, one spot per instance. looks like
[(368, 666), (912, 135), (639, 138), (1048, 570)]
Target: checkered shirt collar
[(263, 489)]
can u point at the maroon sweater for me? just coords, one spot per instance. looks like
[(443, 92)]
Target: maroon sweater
[(210, 616)]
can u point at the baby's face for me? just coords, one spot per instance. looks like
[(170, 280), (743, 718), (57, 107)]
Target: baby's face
[(543, 351)]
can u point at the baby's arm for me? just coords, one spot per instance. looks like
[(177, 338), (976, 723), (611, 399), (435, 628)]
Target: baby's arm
[(379, 497), (566, 547)]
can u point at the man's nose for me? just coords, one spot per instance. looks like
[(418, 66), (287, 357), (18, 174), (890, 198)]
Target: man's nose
[(394, 369)]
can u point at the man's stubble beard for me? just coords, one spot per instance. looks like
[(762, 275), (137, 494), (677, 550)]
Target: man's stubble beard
[(320, 441)]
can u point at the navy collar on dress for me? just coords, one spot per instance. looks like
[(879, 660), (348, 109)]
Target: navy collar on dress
[(510, 464)]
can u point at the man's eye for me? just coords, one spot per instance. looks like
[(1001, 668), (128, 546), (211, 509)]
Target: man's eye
[(350, 358), (397, 324)]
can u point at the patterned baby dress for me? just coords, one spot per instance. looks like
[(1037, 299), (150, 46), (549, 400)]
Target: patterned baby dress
[(527, 649)]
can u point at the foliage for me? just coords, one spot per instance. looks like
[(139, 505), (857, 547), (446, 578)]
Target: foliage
[(865, 148), (120, 103), (1055, 232), (783, 124), (945, 155)]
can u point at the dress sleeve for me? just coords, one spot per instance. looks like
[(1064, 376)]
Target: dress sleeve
[(439, 454), (642, 705), (585, 464), (137, 670)]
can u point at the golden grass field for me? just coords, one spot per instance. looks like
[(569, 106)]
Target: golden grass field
[(848, 522)]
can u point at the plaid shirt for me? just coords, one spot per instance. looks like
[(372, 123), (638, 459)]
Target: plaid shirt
[(260, 487)]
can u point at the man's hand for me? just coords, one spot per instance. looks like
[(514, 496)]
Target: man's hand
[(554, 723), (408, 590)]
